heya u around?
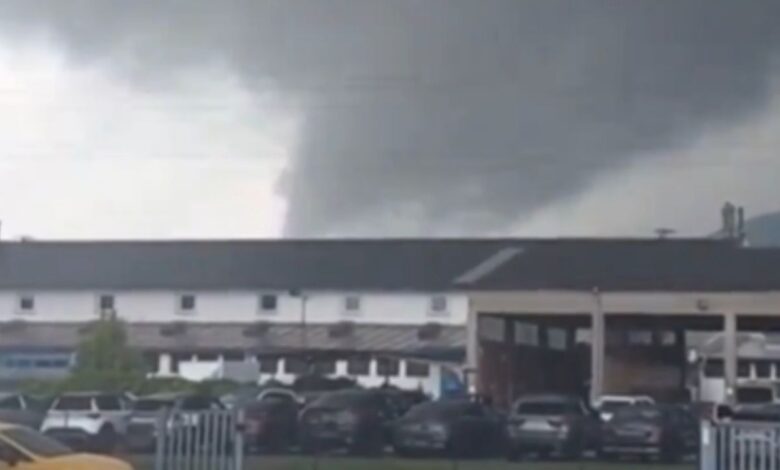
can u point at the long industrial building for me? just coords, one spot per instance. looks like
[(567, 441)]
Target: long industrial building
[(405, 311)]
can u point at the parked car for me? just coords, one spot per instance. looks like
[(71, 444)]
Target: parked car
[(454, 428), (21, 409), (87, 421), (148, 412), (661, 431), (22, 447), (272, 421), (608, 404), (547, 424), (358, 420)]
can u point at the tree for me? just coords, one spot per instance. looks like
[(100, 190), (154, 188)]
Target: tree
[(105, 361)]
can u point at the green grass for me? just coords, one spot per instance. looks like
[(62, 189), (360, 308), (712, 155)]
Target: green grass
[(341, 463)]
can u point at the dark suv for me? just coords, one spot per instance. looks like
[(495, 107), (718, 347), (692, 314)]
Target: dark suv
[(547, 424), (357, 420)]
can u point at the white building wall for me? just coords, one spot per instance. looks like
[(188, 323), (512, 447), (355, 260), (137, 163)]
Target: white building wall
[(238, 307)]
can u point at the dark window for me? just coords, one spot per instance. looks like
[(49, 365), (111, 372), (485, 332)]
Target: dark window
[(640, 338), (358, 366), (106, 302), (439, 304), (352, 303), (178, 358), (151, 361), (713, 368), (763, 369), (74, 403), (387, 367), (268, 302), (743, 369), (667, 338), (208, 356), (234, 356), (27, 303), (108, 403), (417, 369), (187, 302), (325, 367), (11, 403), (295, 365), (268, 365)]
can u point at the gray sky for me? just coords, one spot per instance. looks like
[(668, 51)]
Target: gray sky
[(395, 117)]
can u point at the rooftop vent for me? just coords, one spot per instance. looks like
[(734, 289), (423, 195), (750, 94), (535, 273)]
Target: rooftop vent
[(341, 330), (429, 331)]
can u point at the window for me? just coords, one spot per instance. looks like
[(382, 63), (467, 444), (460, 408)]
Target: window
[(417, 369), (26, 303), (668, 338), (557, 339), (358, 366), (295, 365), (713, 368), (234, 356), (11, 403), (268, 365), (106, 302), (208, 357), (526, 333), (352, 304), (438, 304), (268, 303), (387, 367), (108, 403), (325, 367), (763, 369), (74, 403), (187, 303), (640, 338), (743, 369)]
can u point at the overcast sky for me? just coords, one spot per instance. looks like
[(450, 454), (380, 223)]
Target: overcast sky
[(385, 117)]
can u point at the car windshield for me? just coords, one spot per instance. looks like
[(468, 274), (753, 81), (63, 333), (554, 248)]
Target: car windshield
[(151, 404), (74, 403), (548, 408), (612, 405), (36, 443), (197, 403)]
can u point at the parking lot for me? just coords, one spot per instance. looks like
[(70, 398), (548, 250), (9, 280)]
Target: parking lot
[(339, 463)]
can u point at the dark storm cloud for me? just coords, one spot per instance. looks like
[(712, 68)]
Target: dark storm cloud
[(457, 115)]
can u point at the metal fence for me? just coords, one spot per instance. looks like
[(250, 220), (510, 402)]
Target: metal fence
[(203, 440), (740, 446)]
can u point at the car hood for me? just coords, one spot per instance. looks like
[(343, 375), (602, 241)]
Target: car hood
[(86, 462)]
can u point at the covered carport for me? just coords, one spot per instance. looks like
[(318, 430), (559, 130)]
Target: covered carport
[(614, 319), (670, 313)]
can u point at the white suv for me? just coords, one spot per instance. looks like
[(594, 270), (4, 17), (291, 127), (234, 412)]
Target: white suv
[(88, 421)]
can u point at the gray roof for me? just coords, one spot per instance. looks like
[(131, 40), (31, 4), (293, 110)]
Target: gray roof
[(359, 264), (259, 338)]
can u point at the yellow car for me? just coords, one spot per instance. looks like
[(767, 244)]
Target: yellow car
[(22, 448)]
